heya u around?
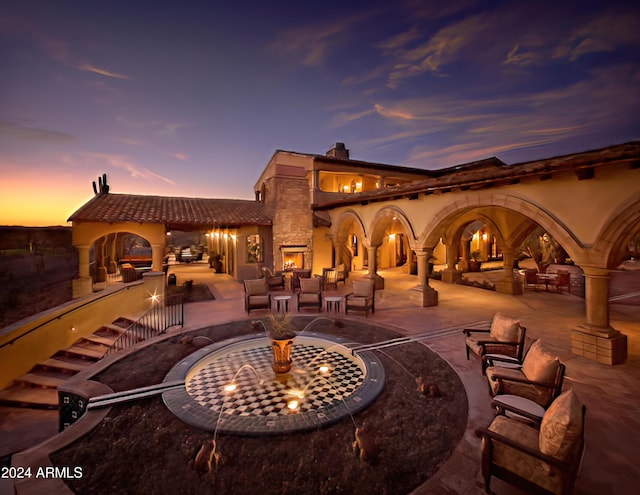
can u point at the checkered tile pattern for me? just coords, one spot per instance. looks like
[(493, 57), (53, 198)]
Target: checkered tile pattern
[(270, 399), (353, 382)]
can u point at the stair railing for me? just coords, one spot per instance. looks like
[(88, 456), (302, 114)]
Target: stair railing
[(156, 321)]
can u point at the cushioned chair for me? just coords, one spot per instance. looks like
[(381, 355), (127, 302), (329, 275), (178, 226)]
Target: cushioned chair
[(341, 274), (539, 379), (274, 281), (541, 458), (297, 275), (256, 295), (310, 295), (531, 279), (329, 278), (362, 298), (562, 280), (505, 336)]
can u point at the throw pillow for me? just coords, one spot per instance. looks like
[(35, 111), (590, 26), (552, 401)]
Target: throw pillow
[(539, 365), (561, 427), (504, 329)]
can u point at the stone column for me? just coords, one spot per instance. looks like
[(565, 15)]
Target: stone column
[(157, 253), (450, 274), (378, 281), (83, 285), (429, 295), (595, 339), (509, 284), (153, 287)]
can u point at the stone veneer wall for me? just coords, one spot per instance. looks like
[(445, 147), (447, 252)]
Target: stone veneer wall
[(288, 199)]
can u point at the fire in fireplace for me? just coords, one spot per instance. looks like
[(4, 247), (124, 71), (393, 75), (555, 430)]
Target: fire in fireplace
[(292, 257)]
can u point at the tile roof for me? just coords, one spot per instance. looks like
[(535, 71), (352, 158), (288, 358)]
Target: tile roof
[(493, 172), (172, 211)]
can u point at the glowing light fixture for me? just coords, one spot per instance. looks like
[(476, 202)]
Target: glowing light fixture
[(230, 387)]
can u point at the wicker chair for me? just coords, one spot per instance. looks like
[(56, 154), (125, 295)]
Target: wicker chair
[(562, 280), (310, 294), (274, 281), (539, 458), (256, 295), (362, 298)]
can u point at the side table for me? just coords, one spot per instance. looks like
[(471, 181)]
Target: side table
[(332, 304), (282, 303)]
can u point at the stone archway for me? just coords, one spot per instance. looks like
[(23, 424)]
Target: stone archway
[(349, 241), (85, 234)]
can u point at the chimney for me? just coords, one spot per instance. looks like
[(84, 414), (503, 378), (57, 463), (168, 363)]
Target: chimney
[(339, 151)]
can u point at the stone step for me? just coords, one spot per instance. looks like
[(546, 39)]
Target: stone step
[(64, 364), (111, 328), (100, 340), (38, 380), (40, 398), (83, 352)]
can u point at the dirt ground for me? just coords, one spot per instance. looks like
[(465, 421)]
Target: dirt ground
[(141, 447)]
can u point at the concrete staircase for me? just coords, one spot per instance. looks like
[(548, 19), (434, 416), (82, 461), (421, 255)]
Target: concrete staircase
[(38, 388)]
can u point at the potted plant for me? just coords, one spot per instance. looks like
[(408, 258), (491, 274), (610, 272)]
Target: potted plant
[(280, 331), (474, 264)]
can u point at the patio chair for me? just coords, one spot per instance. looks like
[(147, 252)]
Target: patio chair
[(310, 294), (341, 274), (256, 295), (274, 281), (297, 275), (538, 458), (531, 279), (563, 279), (539, 379), (329, 278), (506, 337), (362, 298)]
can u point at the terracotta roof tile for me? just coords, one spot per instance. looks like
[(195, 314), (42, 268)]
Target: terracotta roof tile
[(172, 211)]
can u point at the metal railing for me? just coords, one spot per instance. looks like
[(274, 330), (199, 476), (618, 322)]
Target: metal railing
[(165, 314)]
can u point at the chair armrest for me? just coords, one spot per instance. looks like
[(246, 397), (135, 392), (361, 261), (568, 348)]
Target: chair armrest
[(498, 376), (489, 359), (469, 331), (487, 434), (502, 408)]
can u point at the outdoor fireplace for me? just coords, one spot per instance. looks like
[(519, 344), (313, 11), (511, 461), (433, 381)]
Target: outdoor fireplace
[(293, 257)]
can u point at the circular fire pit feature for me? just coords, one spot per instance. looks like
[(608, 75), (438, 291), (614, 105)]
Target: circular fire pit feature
[(232, 387)]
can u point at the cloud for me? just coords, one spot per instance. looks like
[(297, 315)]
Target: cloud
[(102, 72), (516, 57), (104, 161), (311, 45), (34, 134), (180, 156), (604, 33)]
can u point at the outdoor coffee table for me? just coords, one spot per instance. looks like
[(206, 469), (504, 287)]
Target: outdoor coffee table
[(332, 304), (511, 405), (282, 303)]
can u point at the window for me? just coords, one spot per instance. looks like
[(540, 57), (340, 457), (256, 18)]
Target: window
[(254, 249)]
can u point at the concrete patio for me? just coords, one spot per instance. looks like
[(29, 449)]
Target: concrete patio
[(609, 393)]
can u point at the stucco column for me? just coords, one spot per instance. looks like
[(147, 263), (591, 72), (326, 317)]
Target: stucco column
[(595, 339), (509, 284), (451, 274), (429, 295), (82, 285), (157, 253), (372, 252)]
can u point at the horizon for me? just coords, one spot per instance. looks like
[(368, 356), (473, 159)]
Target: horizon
[(193, 99)]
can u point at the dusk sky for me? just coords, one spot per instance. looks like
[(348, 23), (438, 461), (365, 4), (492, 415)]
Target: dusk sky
[(193, 98)]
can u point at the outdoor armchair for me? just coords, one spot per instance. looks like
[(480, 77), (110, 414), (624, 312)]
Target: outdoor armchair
[(506, 336), (310, 294), (274, 281), (362, 298), (539, 379), (256, 295), (538, 458)]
